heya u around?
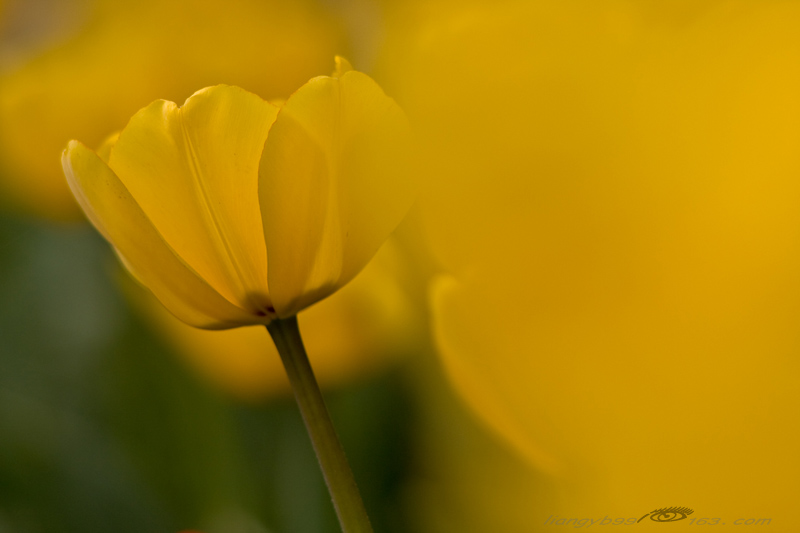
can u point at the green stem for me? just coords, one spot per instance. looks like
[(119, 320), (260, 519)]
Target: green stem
[(338, 476)]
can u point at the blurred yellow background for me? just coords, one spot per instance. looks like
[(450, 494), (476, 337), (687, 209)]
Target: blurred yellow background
[(614, 205)]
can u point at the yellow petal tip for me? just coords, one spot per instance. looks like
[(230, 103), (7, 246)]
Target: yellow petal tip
[(342, 66), (104, 151)]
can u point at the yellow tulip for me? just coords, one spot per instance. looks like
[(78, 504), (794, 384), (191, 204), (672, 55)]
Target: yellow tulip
[(198, 200), (616, 204)]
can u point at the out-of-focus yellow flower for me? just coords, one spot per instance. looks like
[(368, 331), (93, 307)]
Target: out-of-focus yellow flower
[(194, 198), (618, 206), (127, 54), (359, 330)]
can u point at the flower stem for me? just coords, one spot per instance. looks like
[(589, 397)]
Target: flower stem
[(338, 476)]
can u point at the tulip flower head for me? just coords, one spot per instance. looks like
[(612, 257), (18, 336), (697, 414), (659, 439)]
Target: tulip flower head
[(234, 211)]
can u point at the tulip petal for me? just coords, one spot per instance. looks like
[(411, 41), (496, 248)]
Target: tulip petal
[(334, 183), (343, 66), (115, 213), (104, 152), (193, 170)]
